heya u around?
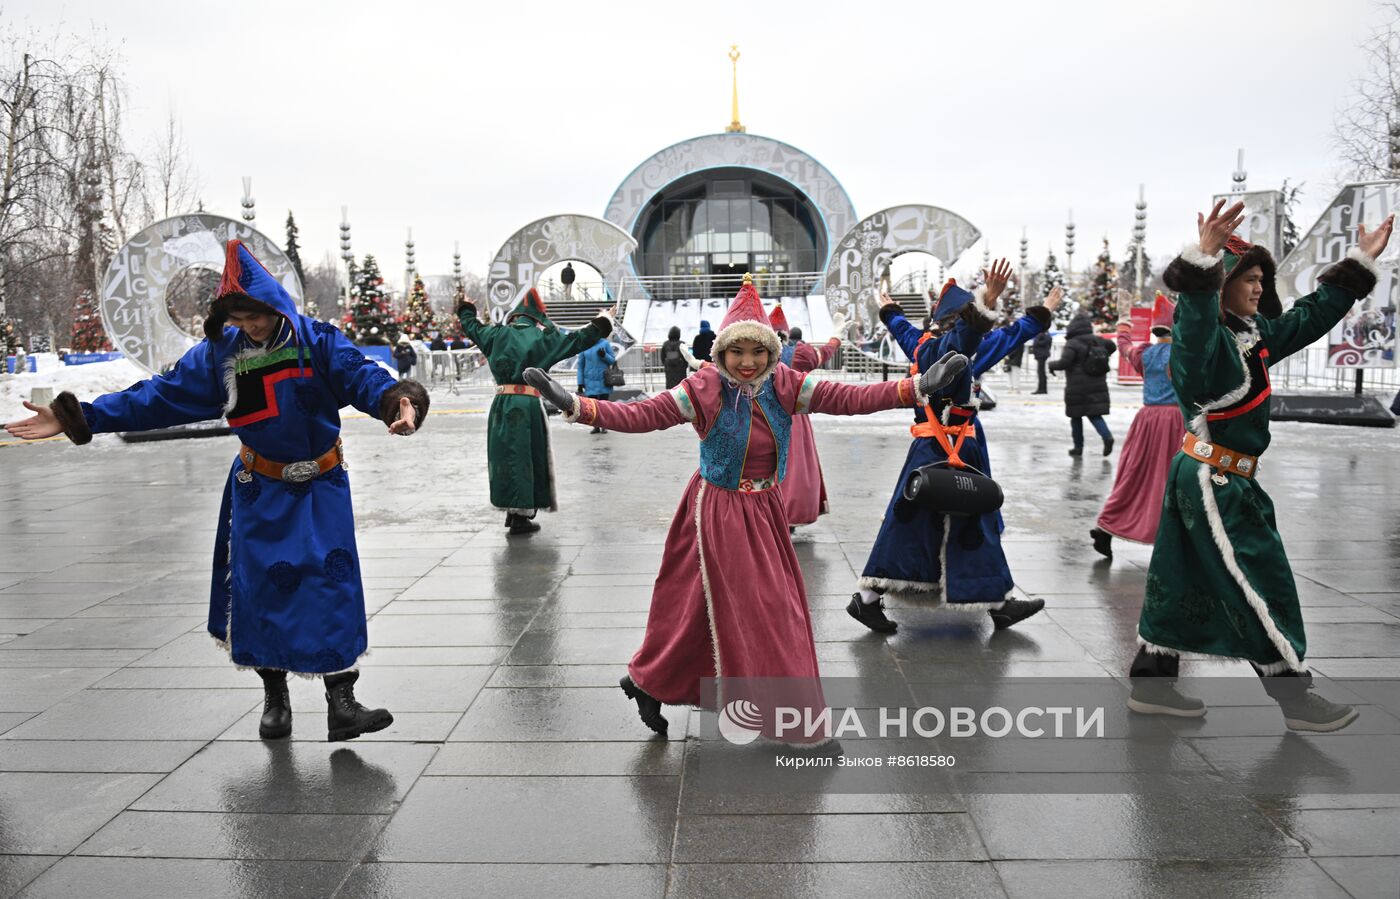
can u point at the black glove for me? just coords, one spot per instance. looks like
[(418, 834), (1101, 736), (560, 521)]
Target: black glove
[(550, 389), (942, 373), (466, 307)]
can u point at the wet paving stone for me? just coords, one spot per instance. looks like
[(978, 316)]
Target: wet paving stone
[(974, 880), (254, 835), (534, 819), (1295, 878), (290, 776), (216, 879), (49, 813), (387, 880)]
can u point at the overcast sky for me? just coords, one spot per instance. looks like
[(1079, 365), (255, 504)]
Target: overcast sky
[(467, 121)]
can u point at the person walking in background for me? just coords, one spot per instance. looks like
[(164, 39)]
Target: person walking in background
[(1013, 366), (404, 356), (1084, 361), (1135, 505), (673, 358), (592, 366), (704, 341), (1040, 349)]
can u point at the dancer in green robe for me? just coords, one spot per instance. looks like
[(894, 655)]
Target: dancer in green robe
[(517, 439), (1219, 583)]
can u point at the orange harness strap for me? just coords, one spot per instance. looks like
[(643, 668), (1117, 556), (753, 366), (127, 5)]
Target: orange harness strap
[(933, 428)]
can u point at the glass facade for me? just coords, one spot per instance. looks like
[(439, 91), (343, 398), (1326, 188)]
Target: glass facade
[(718, 224)]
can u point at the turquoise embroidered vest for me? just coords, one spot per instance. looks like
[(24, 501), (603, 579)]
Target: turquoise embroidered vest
[(724, 448)]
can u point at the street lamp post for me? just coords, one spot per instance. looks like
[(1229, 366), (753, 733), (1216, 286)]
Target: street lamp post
[(248, 211), (347, 256), (1139, 235), (1069, 253)]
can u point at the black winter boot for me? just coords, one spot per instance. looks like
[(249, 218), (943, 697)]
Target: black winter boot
[(871, 614), (1103, 542), (1015, 610), (276, 721), (648, 708), (519, 524), (346, 719)]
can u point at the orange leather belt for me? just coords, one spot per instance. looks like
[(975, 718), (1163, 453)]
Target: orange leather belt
[(1223, 459), (522, 389), (931, 429), (292, 472)]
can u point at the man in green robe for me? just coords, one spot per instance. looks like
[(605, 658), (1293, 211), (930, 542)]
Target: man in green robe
[(1219, 583), (517, 438)]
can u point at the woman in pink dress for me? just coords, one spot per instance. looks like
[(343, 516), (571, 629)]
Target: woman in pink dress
[(804, 491), (1133, 508), (729, 599)]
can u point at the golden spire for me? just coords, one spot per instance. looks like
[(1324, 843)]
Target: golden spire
[(735, 126)]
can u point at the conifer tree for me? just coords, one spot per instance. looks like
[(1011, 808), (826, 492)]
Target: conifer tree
[(369, 306), (417, 319), (1103, 286)]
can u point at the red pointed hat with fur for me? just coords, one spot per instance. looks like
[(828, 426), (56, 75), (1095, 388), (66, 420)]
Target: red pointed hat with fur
[(1163, 314), (777, 320), (746, 320)]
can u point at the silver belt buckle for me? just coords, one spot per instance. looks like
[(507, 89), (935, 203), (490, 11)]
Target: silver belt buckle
[(297, 472)]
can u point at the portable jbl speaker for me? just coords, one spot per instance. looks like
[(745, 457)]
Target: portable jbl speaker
[(952, 491)]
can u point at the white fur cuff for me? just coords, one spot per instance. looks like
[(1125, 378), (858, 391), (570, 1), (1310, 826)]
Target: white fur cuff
[(1193, 254), (980, 308), (1366, 260), (571, 414)]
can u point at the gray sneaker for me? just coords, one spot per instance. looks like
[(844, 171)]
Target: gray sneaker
[(1159, 696), (1310, 712)]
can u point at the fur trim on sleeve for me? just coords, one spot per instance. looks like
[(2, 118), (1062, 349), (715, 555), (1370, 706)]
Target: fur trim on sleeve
[(1195, 272), (893, 309), (977, 314), (1357, 274), (1041, 315), (389, 402), (69, 413)]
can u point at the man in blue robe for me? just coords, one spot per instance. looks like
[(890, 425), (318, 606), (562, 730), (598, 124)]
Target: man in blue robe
[(286, 592)]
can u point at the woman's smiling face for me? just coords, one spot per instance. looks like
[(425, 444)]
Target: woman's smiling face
[(746, 359)]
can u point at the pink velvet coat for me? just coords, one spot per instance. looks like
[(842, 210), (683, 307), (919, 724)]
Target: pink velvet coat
[(803, 489), (729, 600)]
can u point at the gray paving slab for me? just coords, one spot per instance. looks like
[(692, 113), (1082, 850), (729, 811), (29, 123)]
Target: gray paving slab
[(1295, 878), (216, 879), (974, 880), (292, 777), (409, 880), (235, 835), (48, 813), (534, 819)]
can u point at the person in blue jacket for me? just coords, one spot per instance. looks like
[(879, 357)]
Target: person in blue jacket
[(592, 363), (919, 553), (285, 592)]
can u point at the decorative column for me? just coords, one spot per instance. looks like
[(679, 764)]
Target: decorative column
[(1140, 235), (248, 212), (1069, 252), (347, 257)]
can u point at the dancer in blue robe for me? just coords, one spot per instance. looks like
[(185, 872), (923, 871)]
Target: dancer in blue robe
[(285, 592), (921, 554)]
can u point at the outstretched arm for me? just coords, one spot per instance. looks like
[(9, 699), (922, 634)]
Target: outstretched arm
[(191, 391), (999, 342), (836, 398), (357, 381), (1339, 286), (904, 333), (657, 413), (561, 346)]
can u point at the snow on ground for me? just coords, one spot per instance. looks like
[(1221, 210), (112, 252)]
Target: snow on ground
[(85, 381)]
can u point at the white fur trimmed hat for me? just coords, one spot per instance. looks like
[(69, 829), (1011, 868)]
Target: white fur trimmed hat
[(746, 320)]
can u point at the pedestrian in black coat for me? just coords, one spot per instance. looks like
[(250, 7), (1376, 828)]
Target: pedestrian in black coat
[(1086, 391), (1040, 349), (700, 347), (673, 360)]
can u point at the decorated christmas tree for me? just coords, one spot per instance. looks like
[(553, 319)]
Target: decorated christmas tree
[(368, 321), (1050, 278), (1127, 277), (294, 254), (417, 319), (88, 334), (1103, 286)]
